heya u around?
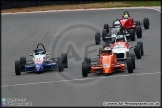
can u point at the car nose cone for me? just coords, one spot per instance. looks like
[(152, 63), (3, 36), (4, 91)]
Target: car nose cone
[(37, 67)]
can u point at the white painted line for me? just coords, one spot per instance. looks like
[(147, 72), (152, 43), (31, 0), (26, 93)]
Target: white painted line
[(68, 10), (83, 79)]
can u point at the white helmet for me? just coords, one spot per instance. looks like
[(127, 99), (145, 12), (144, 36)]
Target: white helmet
[(117, 24), (107, 50)]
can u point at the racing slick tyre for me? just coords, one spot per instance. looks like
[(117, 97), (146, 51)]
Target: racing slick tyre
[(141, 45), (106, 26), (104, 33), (88, 61), (137, 51), (146, 23), (84, 69), (137, 23), (97, 38), (22, 63), (139, 31), (17, 67), (132, 34), (133, 59), (60, 64), (64, 60), (129, 65)]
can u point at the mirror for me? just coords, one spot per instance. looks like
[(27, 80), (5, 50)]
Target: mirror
[(47, 53), (130, 47), (31, 54)]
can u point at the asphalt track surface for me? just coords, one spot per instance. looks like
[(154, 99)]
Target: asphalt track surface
[(21, 33)]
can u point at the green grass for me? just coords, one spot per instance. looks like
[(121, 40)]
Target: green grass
[(131, 3), (146, 3), (134, 3)]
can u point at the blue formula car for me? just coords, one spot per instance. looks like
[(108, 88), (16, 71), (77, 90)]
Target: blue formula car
[(41, 62)]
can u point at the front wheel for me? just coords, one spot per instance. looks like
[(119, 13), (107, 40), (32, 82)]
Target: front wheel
[(129, 65), (141, 46), (88, 60), (97, 38), (17, 67), (60, 64), (137, 51), (23, 63), (133, 60), (84, 69), (146, 23)]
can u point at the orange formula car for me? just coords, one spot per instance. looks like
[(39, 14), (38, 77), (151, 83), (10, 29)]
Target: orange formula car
[(107, 63)]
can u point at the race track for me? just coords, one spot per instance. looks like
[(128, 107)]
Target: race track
[(74, 32)]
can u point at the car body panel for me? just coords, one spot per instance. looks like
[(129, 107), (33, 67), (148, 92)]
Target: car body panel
[(108, 63), (128, 23)]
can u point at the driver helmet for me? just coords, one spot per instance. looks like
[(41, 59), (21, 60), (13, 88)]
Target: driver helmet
[(107, 50), (120, 39), (117, 24), (125, 16)]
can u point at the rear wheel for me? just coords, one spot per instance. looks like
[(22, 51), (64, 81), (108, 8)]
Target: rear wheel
[(133, 60), (132, 34), (137, 23), (60, 64), (84, 69), (106, 26), (97, 38), (129, 65), (146, 23), (22, 63), (139, 31), (64, 60), (104, 34), (17, 67), (141, 46), (137, 51)]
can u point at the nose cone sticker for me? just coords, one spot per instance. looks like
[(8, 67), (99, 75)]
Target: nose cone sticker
[(37, 67)]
